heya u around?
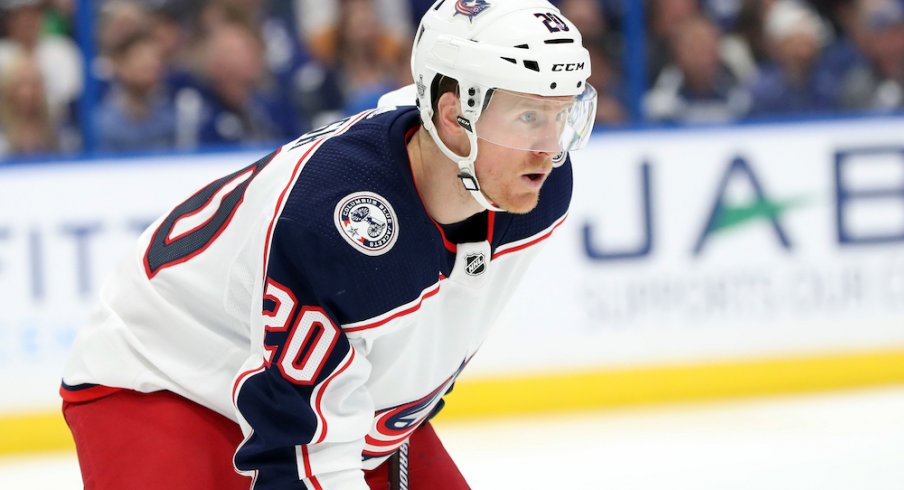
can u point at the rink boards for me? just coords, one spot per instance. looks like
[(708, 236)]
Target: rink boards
[(693, 264)]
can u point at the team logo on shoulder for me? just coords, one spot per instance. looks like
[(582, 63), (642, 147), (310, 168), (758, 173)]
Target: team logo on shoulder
[(475, 264), (367, 222), (470, 8)]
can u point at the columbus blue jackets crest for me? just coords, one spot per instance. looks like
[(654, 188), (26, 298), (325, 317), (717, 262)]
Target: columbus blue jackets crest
[(471, 8), (367, 222)]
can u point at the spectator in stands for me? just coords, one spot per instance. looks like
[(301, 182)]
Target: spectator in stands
[(367, 58), (664, 16), (845, 51), (698, 87), (315, 18), (794, 81), (230, 104), (283, 52), (735, 47), (167, 21), (877, 83), (169, 27), (136, 113), (839, 13), (748, 26), (118, 21), (57, 56), (27, 126), (605, 49)]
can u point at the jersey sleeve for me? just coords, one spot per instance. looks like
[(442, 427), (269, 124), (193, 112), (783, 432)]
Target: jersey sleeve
[(301, 398)]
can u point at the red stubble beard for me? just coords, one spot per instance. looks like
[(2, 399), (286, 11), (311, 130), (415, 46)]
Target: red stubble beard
[(517, 190)]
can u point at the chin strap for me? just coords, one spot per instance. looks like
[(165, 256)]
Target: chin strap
[(466, 172), (469, 180)]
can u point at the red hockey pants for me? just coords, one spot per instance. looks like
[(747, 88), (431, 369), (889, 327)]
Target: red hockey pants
[(149, 441)]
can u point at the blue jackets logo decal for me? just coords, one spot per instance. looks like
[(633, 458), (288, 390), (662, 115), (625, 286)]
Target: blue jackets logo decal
[(367, 222), (392, 426), (470, 8)]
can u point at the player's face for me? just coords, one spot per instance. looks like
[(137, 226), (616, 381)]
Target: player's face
[(512, 178), (518, 135), (526, 122)]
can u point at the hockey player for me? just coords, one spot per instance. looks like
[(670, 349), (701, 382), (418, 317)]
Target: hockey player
[(297, 322)]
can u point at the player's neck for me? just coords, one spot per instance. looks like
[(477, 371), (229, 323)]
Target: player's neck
[(436, 178)]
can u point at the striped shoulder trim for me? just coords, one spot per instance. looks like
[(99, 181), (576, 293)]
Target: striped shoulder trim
[(529, 241), (395, 313)]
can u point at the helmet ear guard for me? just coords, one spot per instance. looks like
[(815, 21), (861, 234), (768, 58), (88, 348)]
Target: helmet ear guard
[(471, 98), (470, 107)]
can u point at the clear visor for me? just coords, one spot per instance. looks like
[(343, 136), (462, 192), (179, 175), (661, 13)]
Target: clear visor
[(536, 123)]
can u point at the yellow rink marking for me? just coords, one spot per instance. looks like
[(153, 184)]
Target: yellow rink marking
[(583, 390), (674, 383)]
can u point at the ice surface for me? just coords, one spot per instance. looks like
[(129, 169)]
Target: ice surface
[(839, 441)]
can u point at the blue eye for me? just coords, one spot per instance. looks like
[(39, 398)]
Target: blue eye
[(528, 117)]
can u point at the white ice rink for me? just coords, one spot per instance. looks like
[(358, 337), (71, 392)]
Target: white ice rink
[(840, 441)]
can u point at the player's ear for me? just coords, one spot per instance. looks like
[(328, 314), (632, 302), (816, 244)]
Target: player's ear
[(448, 109)]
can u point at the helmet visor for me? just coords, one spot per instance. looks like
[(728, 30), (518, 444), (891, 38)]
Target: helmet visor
[(537, 123)]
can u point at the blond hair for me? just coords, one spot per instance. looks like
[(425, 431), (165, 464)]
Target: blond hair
[(26, 133)]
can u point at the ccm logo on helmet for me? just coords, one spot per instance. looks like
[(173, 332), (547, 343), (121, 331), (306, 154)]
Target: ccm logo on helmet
[(567, 66)]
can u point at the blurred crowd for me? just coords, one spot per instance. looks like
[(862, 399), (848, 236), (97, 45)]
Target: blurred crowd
[(184, 74), (723, 60)]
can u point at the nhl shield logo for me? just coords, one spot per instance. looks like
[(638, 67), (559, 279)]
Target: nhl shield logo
[(475, 264), (367, 222)]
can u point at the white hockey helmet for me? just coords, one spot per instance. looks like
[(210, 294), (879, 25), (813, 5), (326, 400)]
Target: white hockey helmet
[(519, 64)]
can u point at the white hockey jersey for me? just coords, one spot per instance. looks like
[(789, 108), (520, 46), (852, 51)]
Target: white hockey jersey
[(310, 298)]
